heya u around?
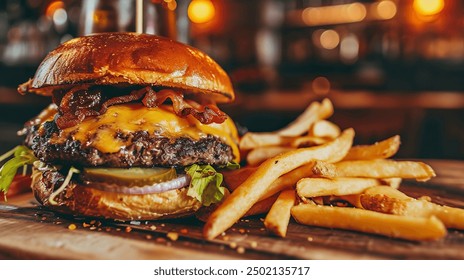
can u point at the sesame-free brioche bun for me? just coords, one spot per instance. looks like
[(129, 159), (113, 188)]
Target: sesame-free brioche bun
[(130, 58)]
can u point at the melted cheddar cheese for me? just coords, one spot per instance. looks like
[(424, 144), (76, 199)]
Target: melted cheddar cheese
[(100, 132)]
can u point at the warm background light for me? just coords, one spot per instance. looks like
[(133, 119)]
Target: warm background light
[(201, 11), (53, 7), (428, 7), (171, 4), (321, 85), (386, 9), (330, 39), (334, 14)]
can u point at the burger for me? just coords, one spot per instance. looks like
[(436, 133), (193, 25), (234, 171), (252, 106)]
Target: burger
[(133, 132)]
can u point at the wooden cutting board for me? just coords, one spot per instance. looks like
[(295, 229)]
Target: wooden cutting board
[(28, 231)]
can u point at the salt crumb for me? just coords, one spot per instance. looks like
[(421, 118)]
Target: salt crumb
[(172, 235), (93, 228), (310, 238), (254, 244), (153, 227), (233, 245)]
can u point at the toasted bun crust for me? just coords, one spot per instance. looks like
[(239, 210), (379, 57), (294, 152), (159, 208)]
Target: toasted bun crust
[(81, 200), (130, 58)]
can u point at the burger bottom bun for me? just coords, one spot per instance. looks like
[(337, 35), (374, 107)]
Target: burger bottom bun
[(83, 200)]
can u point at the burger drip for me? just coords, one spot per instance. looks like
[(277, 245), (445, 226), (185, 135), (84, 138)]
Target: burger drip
[(80, 102)]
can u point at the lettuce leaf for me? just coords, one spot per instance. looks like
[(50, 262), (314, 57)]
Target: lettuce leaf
[(21, 156), (231, 165), (206, 185)]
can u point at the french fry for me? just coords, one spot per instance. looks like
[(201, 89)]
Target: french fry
[(410, 228), (325, 169), (379, 168), (316, 111), (392, 201), (392, 182), (255, 186), (452, 217), (308, 141), (260, 154), (264, 146), (383, 149), (234, 178), (277, 219), (324, 129), (372, 197), (262, 206), (253, 140), (289, 179), (312, 187)]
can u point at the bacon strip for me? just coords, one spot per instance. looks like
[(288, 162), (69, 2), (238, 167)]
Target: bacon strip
[(206, 114), (133, 96), (72, 114)]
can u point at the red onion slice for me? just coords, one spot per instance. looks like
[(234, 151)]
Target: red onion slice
[(177, 183)]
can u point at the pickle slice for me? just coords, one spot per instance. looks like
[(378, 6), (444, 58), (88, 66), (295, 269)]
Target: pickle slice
[(131, 176)]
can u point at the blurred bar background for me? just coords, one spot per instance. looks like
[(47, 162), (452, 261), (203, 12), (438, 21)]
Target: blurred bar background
[(389, 66)]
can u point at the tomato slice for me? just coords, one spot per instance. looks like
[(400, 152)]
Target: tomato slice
[(21, 184)]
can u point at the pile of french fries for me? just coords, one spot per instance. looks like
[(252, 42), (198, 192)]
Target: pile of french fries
[(310, 171)]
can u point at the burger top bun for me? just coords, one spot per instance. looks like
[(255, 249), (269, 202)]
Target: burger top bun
[(131, 58)]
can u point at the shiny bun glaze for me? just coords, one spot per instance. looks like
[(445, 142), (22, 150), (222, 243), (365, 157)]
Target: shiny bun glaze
[(131, 58), (83, 200)]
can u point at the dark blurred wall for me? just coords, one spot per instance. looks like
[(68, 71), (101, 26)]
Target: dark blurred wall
[(296, 49)]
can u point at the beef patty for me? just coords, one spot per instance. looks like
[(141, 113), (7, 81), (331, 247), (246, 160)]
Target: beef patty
[(143, 150)]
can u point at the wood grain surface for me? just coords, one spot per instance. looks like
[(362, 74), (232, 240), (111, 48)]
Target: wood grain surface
[(28, 231)]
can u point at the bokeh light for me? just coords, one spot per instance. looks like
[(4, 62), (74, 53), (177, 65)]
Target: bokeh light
[(330, 39), (428, 7), (386, 9), (201, 11), (321, 86)]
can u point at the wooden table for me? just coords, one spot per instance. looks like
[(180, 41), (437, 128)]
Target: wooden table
[(31, 232)]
